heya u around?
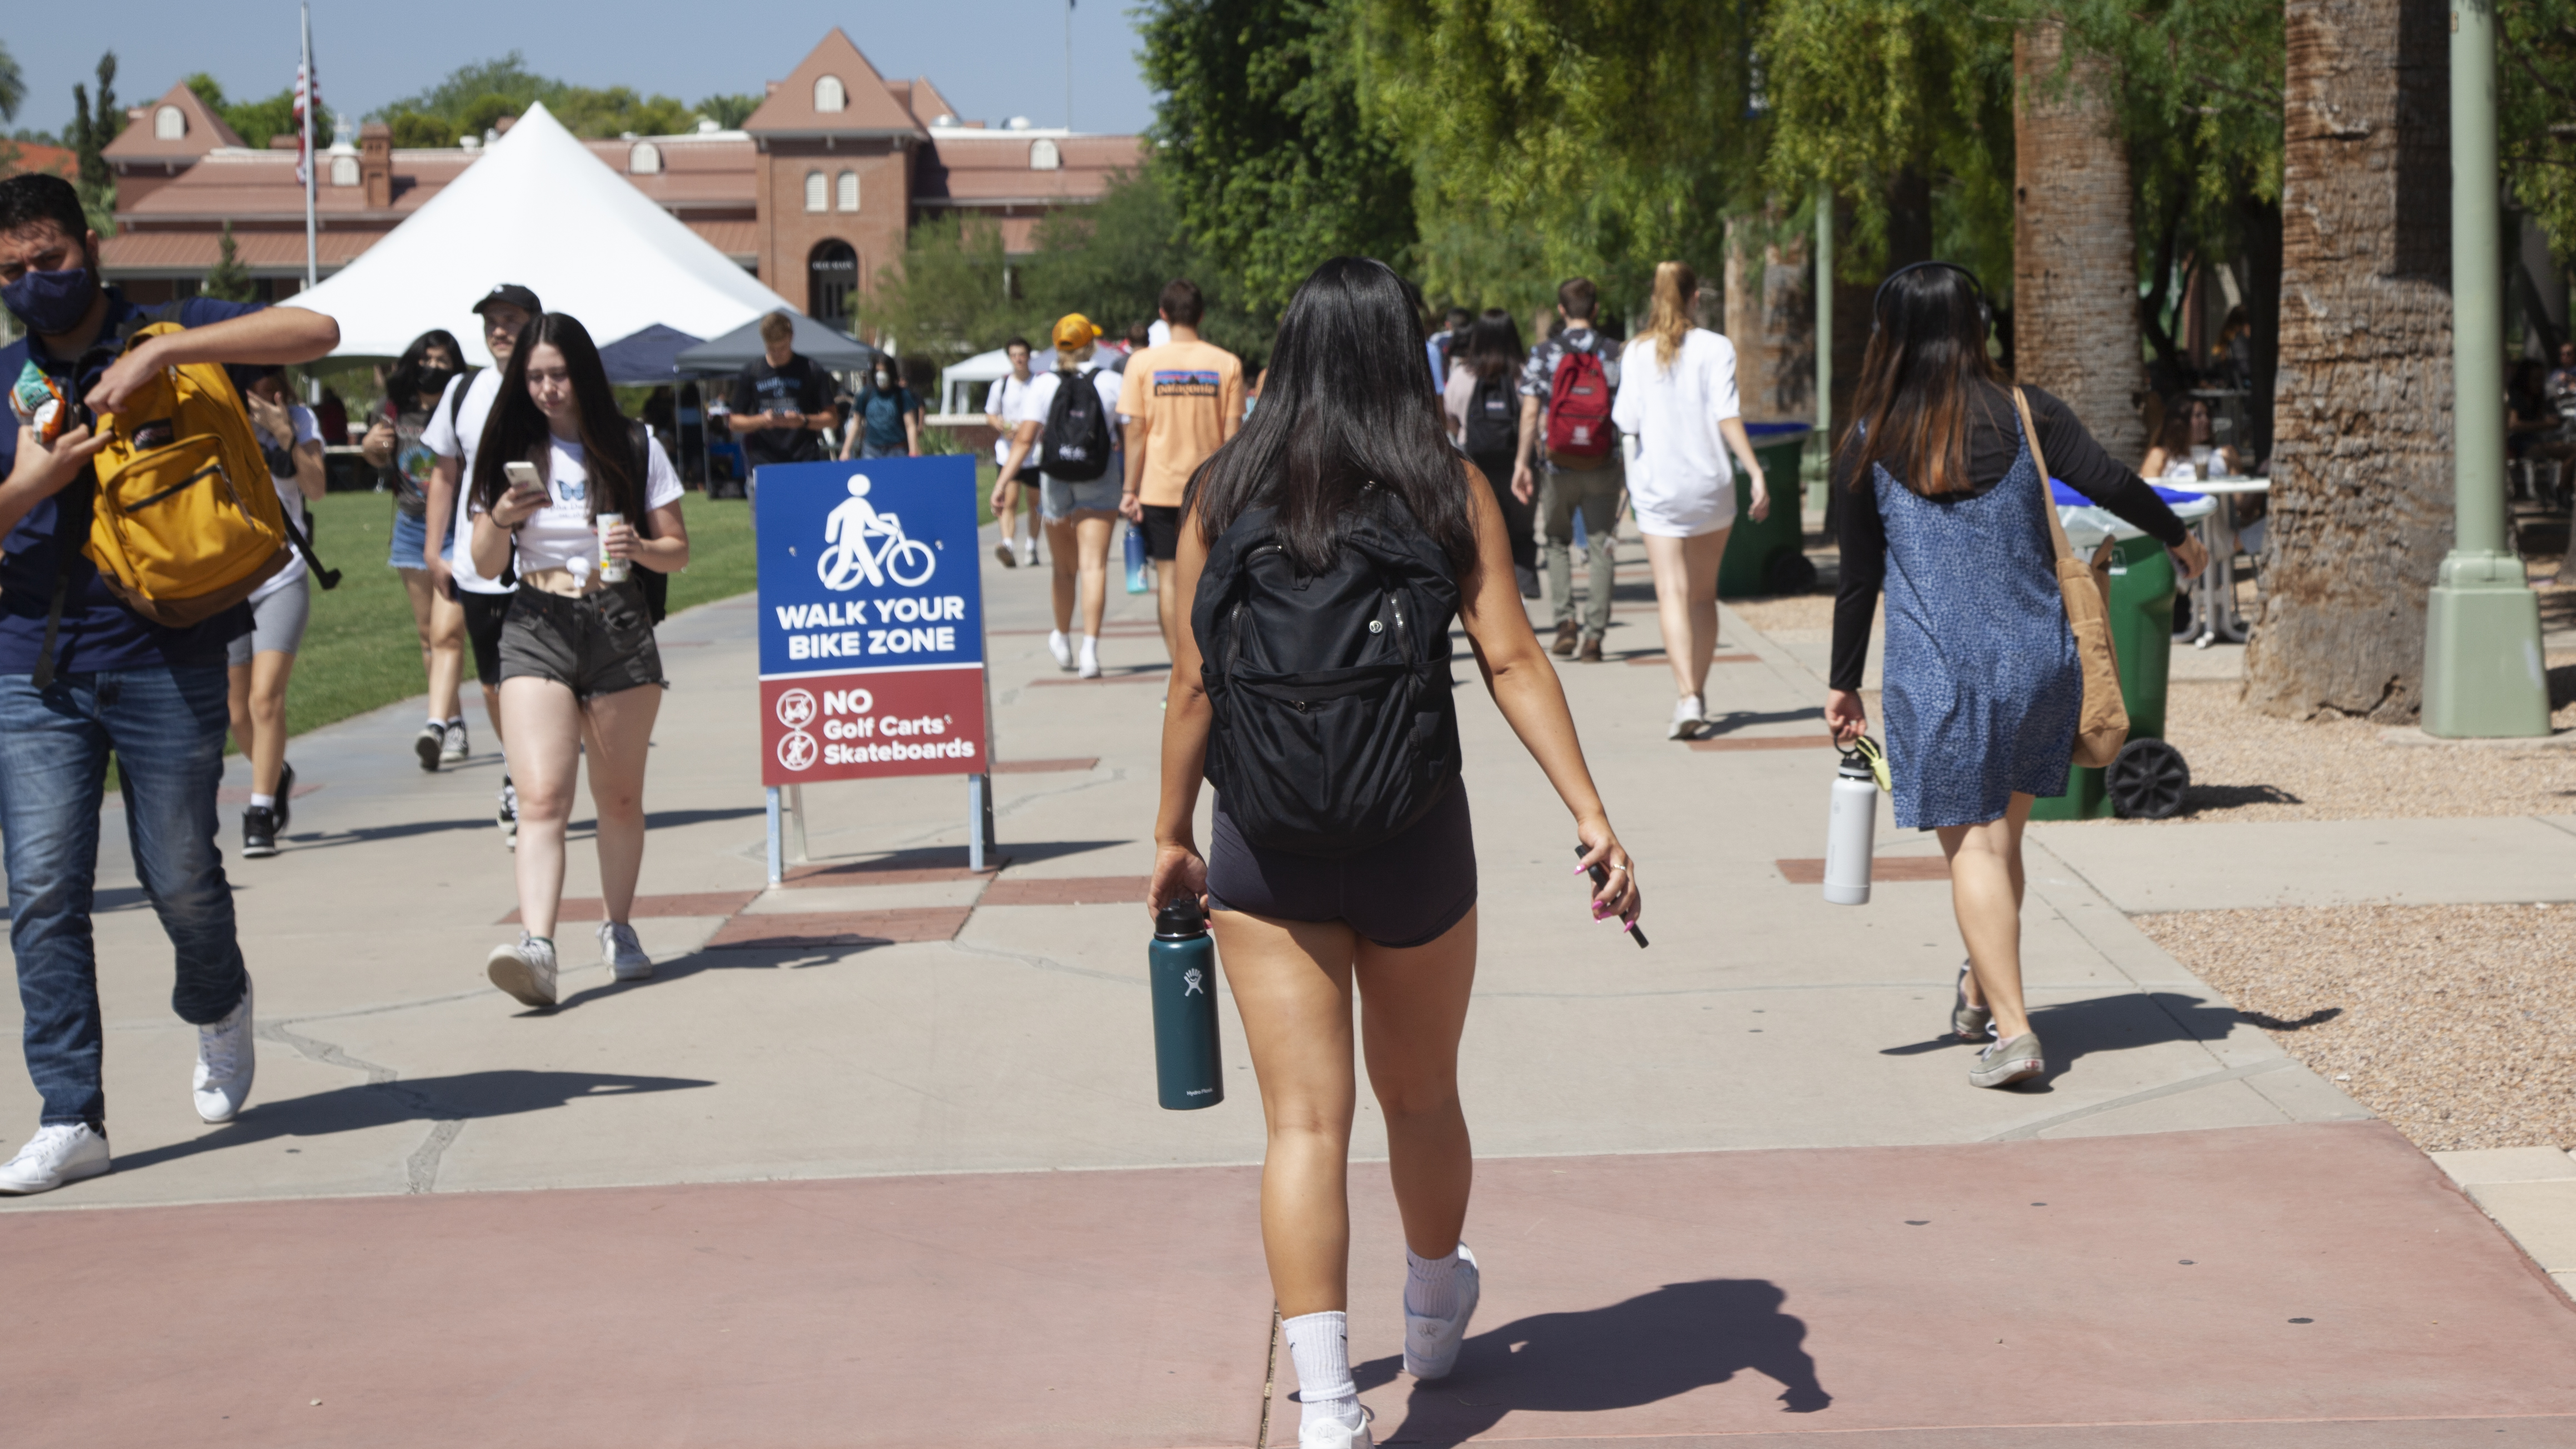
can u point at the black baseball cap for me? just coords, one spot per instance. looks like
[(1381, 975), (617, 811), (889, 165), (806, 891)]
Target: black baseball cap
[(514, 295)]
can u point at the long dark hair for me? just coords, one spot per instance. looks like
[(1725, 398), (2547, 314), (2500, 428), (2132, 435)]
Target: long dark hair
[(1926, 357), (1494, 350), (402, 384), (517, 433), (1346, 403)]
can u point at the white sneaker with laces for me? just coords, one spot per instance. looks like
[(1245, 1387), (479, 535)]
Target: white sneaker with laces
[(226, 1062), (1689, 718), (1315, 1433), (1028, 548), (525, 969), (1061, 646), (622, 953), (54, 1156), (1089, 668), (1431, 1344), (453, 749)]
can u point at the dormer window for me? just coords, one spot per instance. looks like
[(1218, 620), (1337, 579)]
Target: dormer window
[(1043, 156), (644, 159), (846, 190), (830, 95), (169, 124), (344, 171)]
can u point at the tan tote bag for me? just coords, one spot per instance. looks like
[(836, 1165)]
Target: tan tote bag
[(2104, 724)]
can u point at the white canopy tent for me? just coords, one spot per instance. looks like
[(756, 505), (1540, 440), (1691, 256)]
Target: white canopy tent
[(537, 209), (962, 387)]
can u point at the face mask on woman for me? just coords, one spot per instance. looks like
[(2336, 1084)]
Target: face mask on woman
[(884, 382), (51, 303), (434, 380)]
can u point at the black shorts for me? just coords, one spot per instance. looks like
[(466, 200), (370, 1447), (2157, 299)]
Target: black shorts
[(1162, 532), (1398, 893), (600, 643), (483, 616)]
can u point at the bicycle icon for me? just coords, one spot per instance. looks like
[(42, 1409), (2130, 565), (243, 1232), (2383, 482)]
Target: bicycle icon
[(850, 560)]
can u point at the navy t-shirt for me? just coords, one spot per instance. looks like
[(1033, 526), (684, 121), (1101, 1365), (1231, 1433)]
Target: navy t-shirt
[(884, 413), (99, 633)]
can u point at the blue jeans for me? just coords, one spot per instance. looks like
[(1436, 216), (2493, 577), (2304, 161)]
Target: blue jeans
[(166, 727)]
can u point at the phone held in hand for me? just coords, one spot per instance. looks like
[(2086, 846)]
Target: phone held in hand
[(524, 480), (1600, 876)]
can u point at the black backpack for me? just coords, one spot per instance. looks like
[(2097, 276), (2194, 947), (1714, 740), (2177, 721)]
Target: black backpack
[(1334, 727), (1075, 445), (1493, 420)]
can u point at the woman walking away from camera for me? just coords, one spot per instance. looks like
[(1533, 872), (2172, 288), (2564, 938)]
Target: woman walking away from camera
[(1484, 407), (1080, 503), (264, 659), (580, 675), (1327, 546), (413, 388), (1677, 405), (1942, 505)]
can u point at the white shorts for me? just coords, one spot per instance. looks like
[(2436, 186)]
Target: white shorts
[(1685, 517)]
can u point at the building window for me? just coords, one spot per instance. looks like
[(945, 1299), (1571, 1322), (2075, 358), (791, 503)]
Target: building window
[(344, 170), (1043, 156), (830, 94), (644, 159), (169, 124), (831, 278), (846, 187), (817, 198)]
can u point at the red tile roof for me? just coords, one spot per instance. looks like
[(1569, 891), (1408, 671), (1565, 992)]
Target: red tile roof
[(872, 110), (205, 131), (57, 160), (991, 168)]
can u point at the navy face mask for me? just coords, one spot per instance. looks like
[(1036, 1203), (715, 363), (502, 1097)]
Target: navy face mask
[(51, 303)]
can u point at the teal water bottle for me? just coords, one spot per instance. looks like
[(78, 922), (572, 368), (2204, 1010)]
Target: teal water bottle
[(1182, 974), (1136, 560)]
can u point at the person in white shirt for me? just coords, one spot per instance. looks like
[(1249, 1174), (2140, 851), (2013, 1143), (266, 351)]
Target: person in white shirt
[(264, 659), (1081, 512), (1677, 406), (1002, 407), (581, 678)]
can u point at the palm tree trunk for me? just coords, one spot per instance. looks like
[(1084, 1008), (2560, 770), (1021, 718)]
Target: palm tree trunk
[(2361, 471), (2075, 249), (1770, 319)]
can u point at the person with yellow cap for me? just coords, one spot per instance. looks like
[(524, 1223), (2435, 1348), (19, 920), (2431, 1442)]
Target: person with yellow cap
[(1067, 432)]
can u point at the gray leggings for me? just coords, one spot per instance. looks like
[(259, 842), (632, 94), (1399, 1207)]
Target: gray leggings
[(276, 624)]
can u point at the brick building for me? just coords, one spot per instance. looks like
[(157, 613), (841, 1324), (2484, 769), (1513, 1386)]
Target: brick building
[(819, 189)]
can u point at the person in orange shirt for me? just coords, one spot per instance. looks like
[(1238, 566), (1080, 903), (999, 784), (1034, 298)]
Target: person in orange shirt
[(1183, 400)]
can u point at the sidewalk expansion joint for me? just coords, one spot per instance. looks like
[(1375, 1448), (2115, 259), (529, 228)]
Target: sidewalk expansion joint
[(2030, 1130), (420, 1170)]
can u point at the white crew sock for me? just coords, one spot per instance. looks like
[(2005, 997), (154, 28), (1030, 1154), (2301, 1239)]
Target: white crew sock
[(1431, 1285), (1091, 649), (1319, 1345), (262, 802)]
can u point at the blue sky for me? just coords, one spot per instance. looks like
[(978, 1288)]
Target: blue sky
[(992, 58)]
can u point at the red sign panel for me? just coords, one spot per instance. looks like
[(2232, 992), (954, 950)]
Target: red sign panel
[(869, 724)]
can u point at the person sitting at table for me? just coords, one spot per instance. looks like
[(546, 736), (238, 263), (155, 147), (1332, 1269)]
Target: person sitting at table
[(2187, 438)]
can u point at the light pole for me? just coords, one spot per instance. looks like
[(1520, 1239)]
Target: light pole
[(2482, 669)]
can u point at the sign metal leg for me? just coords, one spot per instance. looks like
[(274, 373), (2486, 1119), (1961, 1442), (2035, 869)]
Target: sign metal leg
[(796, 851), (979, 821), (777, 872)]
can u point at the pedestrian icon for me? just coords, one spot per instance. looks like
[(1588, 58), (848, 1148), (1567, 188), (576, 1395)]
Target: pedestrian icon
[(850, 560)]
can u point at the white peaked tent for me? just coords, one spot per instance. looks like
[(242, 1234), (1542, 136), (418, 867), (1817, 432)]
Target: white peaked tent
[(537, 208)]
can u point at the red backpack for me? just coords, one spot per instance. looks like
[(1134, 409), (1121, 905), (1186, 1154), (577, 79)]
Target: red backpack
[(1578, 411)]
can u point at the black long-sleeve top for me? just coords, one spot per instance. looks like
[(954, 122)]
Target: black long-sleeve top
[(1993, 442)]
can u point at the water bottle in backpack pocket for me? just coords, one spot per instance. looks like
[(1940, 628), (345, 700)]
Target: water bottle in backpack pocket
[(1333, 722)]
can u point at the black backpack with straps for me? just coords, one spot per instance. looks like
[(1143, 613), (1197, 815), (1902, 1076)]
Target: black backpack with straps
[(1075, 445), (1335, 728)]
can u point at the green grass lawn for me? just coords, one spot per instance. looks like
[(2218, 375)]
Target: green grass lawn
[(362, 651)]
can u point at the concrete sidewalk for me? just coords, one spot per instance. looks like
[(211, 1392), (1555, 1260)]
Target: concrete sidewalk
[(1004, 1240)]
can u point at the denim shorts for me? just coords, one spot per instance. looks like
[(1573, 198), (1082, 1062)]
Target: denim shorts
[(411, 535), (1059, 500), (600, 643)]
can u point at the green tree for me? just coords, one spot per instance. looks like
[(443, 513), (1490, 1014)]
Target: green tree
[(229, 280), (254, 121), (473, 97), (950, 295), (93, 126), (1110, 261), (13, 85), (729, 111), (2536, 112), (1270, 164)]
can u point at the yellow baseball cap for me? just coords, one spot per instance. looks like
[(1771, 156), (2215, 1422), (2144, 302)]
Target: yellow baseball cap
[(1073, 332)]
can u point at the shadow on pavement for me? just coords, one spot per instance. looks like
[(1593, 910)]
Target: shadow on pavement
[(730, 958), (2070, 1030), (366, 834), (1655, 1346), (1736, 719), (462, 1097)]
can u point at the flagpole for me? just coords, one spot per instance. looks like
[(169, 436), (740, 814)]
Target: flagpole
[(312, 263), (1068, 67)]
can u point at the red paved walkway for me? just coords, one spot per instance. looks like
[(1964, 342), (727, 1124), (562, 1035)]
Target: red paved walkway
[(2338, 1293)]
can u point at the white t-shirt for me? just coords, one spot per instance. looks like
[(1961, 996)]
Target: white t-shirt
[(1040, 399), (1680, 477), (458, 438), (561, 531), (292, 496), (1004, 402)]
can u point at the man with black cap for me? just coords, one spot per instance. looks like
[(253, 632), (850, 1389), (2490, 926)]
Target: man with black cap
[(453, 431)]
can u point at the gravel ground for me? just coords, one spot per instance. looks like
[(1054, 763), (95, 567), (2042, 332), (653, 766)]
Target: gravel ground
[(2455, 1023)]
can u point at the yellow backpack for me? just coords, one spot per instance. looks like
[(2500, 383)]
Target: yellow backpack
[(186, 523)]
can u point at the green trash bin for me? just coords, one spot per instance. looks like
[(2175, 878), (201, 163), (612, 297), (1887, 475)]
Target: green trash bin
[(2149, 776), (1769, 557)]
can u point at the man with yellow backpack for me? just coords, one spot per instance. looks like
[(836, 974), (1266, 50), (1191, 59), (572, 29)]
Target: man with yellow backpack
[(130, 531)]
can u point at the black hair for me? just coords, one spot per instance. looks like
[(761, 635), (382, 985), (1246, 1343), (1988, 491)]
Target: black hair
[(34, 196), (1346, 403), (517, 432), (1021, 343), (1926, 359), (1182, 303), (1494, 350), (1458, 317), (402, 381)]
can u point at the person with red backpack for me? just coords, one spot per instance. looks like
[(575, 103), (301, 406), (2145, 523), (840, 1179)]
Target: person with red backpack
[(1574, 376)]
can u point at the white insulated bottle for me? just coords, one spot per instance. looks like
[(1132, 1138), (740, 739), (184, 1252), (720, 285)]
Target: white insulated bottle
[(1851, 830)]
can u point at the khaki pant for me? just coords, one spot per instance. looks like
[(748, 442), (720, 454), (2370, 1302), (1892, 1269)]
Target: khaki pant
[(1561, 492)]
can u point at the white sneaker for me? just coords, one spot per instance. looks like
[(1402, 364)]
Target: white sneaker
[(1431, 1344), (1090, 666), (225, 1064), (54, 1156), (525, 969), (1028, 548), (1314, 1433), (622, 953), (1689, 718), (1061, 646), (453, 749)]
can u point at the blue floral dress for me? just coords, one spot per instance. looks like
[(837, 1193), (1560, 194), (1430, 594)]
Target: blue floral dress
[(1982, 685)]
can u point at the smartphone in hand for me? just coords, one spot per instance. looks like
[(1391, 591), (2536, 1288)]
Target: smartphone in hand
[(524, 481)]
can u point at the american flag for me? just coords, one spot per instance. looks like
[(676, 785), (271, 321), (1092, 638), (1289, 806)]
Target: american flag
[(308, 94)]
